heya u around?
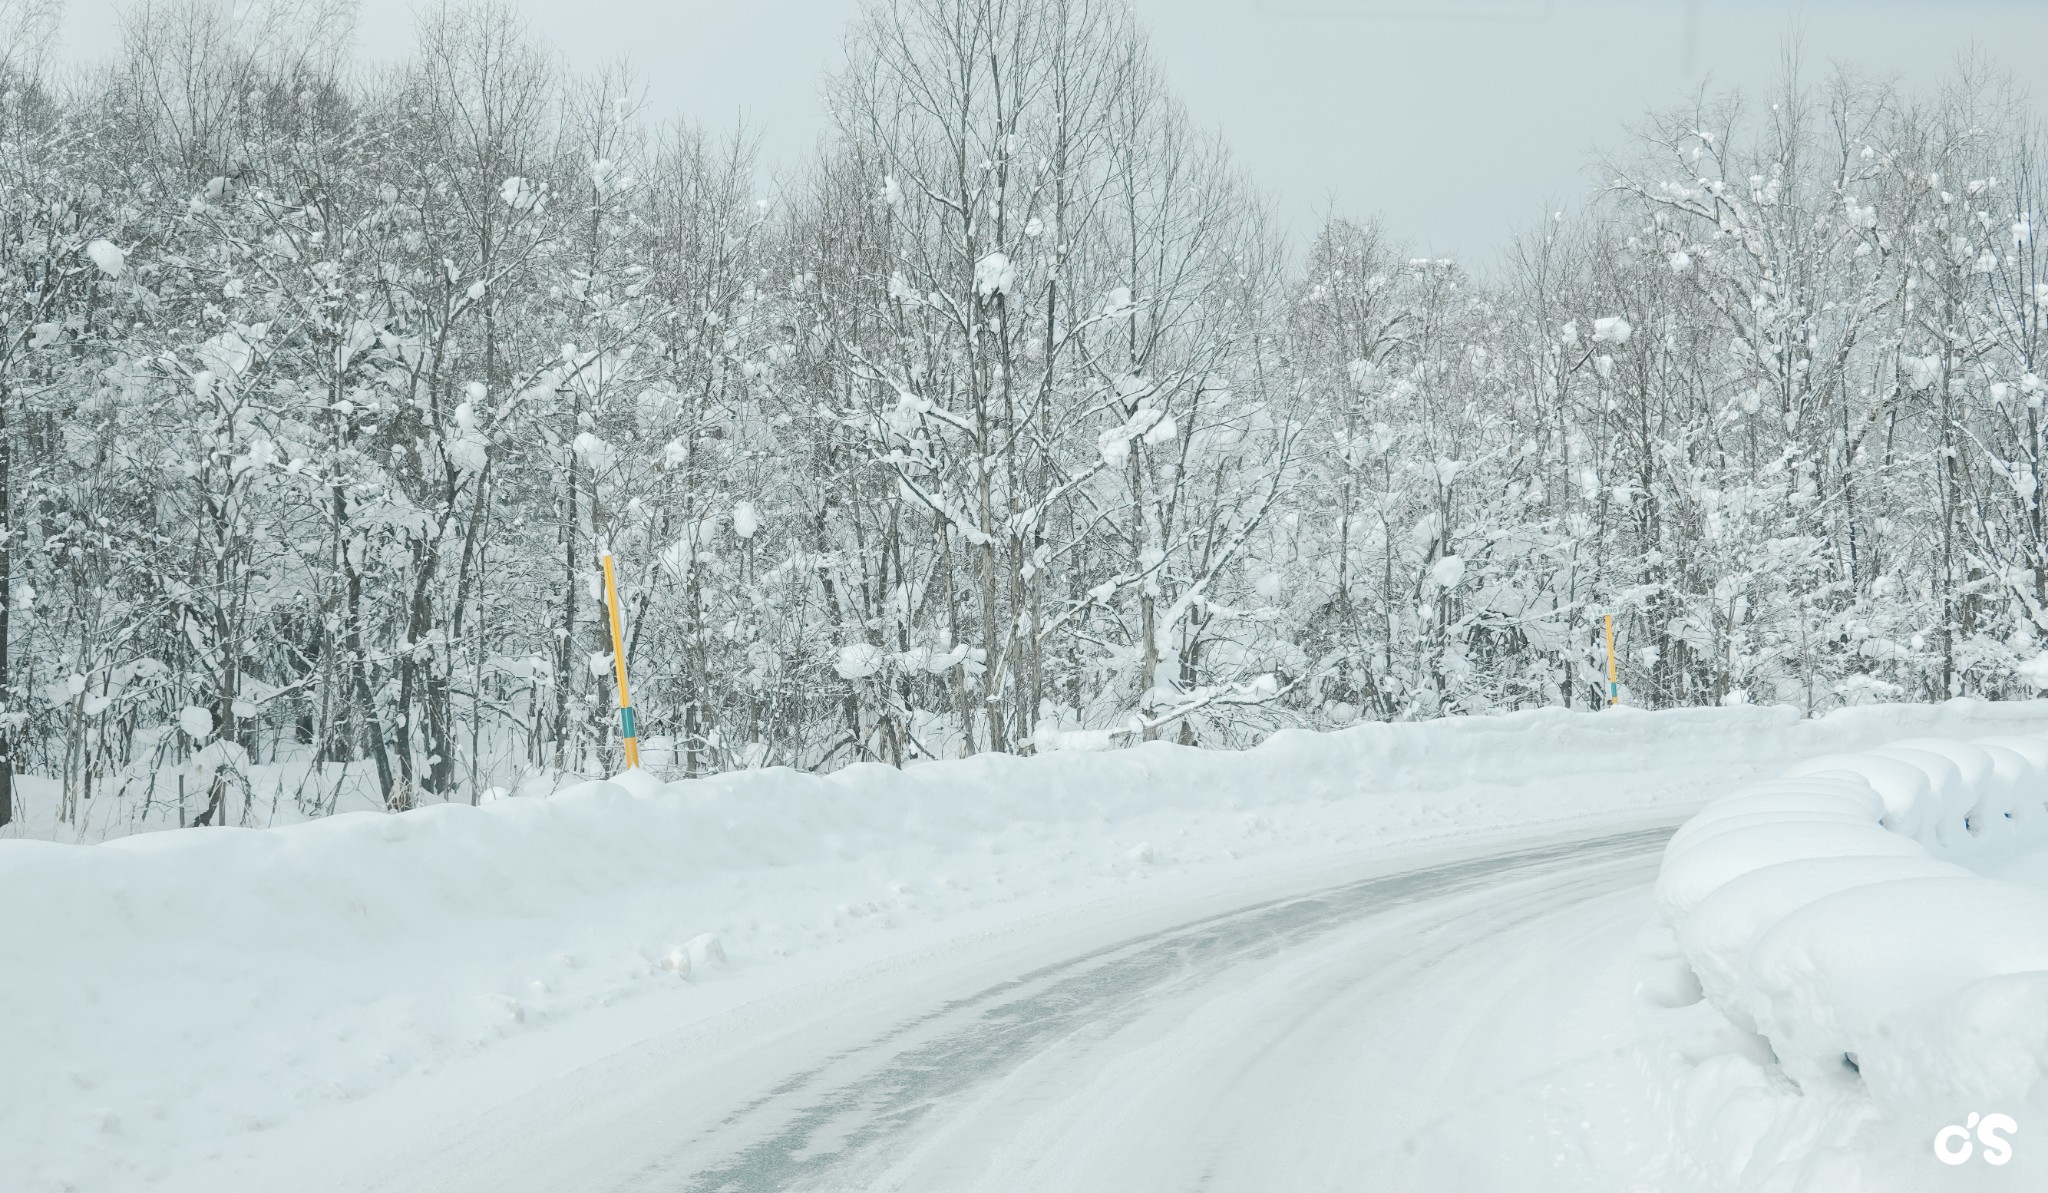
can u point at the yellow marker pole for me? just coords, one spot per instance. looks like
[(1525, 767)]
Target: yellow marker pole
[(611, 600), (1613, 683)]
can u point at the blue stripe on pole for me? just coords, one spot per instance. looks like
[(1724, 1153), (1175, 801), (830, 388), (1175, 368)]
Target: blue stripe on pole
[(626, 720)]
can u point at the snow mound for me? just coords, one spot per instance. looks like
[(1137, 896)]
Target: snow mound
[(1839, 918)]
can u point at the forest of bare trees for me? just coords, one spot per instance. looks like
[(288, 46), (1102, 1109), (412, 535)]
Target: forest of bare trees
[(1008, 421)]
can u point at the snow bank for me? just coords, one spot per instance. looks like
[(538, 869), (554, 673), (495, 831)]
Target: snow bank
[(1872, 985), (168, 994)]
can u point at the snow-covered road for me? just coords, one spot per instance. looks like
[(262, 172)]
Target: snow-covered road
[(1402, 956), (1411, 1030), (1445, 1021)]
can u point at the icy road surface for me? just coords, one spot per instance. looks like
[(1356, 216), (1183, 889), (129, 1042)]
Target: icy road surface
[(1406, 1030), (1459, 1022)]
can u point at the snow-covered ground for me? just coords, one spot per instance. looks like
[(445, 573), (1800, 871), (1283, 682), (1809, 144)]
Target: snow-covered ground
[(243, 1009), (288, 789)]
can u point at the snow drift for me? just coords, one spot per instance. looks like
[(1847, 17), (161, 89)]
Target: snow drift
[(1872, 984), (169, 994)]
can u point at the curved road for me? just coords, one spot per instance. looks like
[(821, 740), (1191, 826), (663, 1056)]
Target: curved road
[(1372, 1029), (1456, 1027)]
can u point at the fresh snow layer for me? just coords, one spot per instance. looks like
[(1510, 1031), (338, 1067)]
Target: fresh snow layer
[(172, 996), (1858, 972)]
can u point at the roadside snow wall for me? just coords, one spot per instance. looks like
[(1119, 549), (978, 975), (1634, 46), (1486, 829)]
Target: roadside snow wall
[(1839, 921)]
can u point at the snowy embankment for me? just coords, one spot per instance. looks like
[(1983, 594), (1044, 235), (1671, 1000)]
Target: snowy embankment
[(168, 994), (1869, 982)]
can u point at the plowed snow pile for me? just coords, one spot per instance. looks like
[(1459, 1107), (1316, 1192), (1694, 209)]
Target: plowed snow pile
[(1866, 984)]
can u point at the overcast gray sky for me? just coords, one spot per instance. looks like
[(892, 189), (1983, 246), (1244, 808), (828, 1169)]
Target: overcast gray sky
[(1454, 121)]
